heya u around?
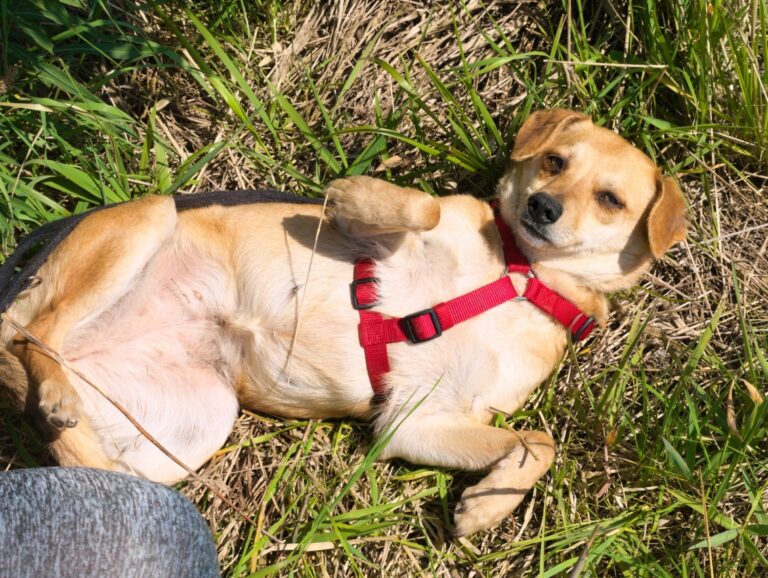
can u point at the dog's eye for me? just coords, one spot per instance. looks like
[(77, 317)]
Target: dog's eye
[(609, 200), (553, 164)]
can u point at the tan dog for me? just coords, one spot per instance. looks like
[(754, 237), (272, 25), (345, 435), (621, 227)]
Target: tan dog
[(183, 317)]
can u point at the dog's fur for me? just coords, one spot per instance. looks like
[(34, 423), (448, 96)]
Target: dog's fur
[(185, 317)]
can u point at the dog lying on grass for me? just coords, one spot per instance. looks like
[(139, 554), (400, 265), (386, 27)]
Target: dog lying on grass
[(185, 316)]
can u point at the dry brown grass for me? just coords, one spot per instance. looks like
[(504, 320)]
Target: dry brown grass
[(611, 468)]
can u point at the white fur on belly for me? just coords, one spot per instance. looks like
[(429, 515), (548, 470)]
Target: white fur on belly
[(161, 352)]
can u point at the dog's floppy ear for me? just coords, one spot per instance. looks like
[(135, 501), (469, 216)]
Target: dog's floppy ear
[(541, 128), (666, 220)]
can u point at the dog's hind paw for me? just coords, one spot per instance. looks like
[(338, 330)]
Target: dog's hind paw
[(59, 404)]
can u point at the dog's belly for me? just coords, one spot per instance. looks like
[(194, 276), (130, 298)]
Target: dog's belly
[(199, 335), (161, 353)]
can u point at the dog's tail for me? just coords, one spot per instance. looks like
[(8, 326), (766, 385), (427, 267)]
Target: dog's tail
[(14, 381)]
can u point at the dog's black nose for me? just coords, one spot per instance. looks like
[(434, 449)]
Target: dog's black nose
[(544, 209)]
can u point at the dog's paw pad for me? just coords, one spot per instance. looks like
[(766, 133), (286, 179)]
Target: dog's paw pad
[(60, 421), (476, 511), (59, 404)]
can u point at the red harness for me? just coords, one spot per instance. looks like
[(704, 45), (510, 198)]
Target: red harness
[(376, 330)]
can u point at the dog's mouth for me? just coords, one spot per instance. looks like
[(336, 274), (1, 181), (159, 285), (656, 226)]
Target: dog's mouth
[(536, 232)]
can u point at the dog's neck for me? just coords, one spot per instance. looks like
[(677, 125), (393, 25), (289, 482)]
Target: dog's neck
[(591, 302)]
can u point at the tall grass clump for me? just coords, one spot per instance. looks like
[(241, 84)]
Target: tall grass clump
[(69, 139)]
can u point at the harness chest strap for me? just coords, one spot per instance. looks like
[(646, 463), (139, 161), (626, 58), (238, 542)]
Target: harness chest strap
[(376, 330)]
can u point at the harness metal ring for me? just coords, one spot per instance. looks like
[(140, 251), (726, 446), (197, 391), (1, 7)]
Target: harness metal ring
[(528, 276)]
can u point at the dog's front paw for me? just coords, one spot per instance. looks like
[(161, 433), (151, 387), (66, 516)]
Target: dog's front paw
[(59, 403), (486, 504), (365, 206), (355, 185), (349, 199), (497, 495)]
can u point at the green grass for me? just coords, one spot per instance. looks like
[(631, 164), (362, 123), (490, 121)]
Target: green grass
[(663, 463)]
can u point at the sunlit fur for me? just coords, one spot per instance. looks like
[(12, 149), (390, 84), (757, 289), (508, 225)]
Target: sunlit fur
[(183, 318), (603, 248)]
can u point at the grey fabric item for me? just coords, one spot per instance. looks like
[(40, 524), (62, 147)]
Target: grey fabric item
[(80, 522)]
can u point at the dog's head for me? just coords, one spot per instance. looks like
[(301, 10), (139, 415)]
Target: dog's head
[(581, 199)]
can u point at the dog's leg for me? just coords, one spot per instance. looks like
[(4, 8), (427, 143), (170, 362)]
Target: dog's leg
[(79, 447), (14, 382), (90, 271), (517, 460), (365, 207)]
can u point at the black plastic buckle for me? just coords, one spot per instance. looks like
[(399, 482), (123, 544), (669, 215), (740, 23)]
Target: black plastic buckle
[(584, 326), (353, 292), (411, 333)]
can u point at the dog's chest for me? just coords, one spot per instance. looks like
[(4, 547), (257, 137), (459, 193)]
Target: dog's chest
[(490, 362), (496, 360), (524, 346)]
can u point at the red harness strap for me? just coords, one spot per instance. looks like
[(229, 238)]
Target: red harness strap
[(376, 330)]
